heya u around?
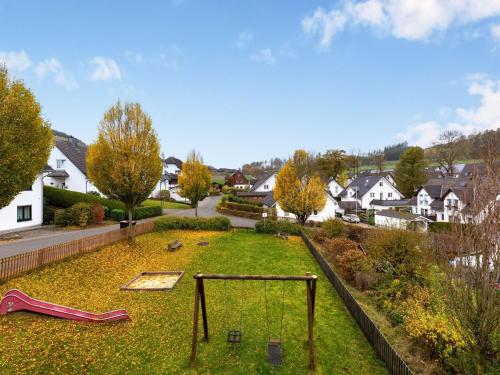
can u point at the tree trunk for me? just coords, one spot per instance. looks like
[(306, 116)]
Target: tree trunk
[(130, 229), (196, 210)]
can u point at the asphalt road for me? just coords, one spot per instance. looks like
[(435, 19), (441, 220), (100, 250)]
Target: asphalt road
[(206, 208)]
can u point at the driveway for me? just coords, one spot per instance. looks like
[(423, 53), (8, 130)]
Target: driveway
[(206, 208)]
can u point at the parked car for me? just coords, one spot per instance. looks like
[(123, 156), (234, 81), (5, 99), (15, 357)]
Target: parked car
[(351, 218)]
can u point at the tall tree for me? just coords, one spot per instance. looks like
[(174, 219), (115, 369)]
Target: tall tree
[(378, 160), (331, 164), (448, 150), (303, 162), (353, 162), (25, 138), (300, 195), (124, 163), (194, 180), (410, 171)]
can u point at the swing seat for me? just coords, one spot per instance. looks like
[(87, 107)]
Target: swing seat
[(234, 336), (274, 352)]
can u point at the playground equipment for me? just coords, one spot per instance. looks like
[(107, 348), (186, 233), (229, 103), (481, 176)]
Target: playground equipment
[(234, 335), (15, 300)]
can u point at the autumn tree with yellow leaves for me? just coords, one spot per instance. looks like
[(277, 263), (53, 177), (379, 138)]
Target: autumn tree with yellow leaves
[(194, 180), (297, 192), (124, 163)]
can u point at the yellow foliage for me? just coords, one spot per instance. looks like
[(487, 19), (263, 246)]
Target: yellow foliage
[(426, 320), (195, 178), (124, 163), (300, 196)]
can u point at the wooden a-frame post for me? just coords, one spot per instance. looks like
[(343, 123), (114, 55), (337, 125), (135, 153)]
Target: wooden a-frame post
[(199, 296)]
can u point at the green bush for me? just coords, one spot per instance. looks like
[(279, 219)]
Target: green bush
[(445, 227), (77, 214), (117, 215), (334, 228), (273, 227), (243, 207), (246, 214), (138, 214), (218, 223), (67, 198), (236, 199)]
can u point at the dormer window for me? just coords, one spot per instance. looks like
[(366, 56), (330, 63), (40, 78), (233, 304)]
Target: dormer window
[(60, 163)]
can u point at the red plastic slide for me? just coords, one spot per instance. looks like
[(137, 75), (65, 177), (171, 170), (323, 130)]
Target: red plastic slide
[(16, 300)]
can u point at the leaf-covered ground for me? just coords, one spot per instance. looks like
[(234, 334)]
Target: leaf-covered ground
[(158, 338)]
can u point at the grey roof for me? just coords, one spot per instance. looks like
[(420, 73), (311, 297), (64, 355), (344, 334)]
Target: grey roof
[(362, 185), (437, 204), (400, 215), (390, 203), (269, 199), (75, 150), (175, 161), (437, 187), (58, 173), (47, 168), (261, 180)]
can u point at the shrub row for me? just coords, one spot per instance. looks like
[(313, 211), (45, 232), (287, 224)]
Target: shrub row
[(236, 199), (445, 227), (80, 214), (243, 207), (139, 213), (217, 223), (273, 227), (67, 198), (246, 214)]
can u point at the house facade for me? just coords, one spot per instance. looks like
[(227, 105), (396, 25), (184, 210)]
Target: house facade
[(401, 220), (25, 210), (265, 183), (334, 187), (68, 165), (238, 180), (366, 189)]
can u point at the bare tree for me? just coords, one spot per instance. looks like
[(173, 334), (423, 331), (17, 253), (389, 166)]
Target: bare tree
[(472, 276), (448, 150), (378, 160)]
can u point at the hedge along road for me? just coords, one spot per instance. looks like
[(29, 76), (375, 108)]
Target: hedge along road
[(206, 208)]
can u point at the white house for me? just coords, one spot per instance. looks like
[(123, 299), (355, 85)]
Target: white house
[(25, 210), (401, 220), (328, 212), (69, 166), (365, 189), (265, 183), (334, 187)]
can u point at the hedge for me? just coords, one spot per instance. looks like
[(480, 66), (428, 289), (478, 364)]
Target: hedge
[(217, 223), (139, 213), (66, 198), (243, 207), (445, 227), (236, 199), (272, 227), (246, 214)]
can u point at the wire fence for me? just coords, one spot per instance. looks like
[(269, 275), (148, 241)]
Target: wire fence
[(21, 263), (385, 351)]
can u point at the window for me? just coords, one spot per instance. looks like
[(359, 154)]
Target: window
[(29, 188), (380, 183), (442, 217), (266, 187), (336, 189), (315, 212), (286, 214), (372, 195), (389, 195), (23, 213), (60, 163)]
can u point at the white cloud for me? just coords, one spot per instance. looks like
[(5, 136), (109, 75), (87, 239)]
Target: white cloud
[(18, 61), (106, 69), (244, 39), (325, 24), (404, 19), (265, 56), (484, 116), (53, 67), (495, 32)]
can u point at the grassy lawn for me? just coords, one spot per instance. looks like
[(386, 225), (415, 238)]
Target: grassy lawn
[(173, 205), (158, 338)]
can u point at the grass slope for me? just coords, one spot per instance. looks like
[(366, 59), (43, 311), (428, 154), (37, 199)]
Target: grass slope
[(172, 205), (157, 339)]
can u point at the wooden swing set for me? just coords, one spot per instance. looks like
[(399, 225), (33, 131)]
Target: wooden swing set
[(234, 335)]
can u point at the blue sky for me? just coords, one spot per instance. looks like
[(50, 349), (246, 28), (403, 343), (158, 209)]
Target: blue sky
[(243, 81)]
